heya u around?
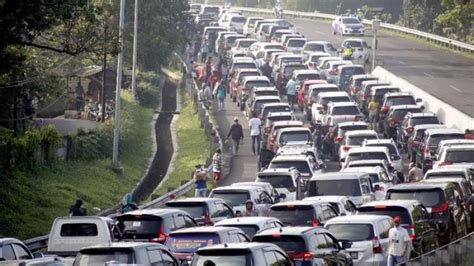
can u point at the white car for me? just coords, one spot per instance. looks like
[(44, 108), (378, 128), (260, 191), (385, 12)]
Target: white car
[(319, 108), (341, 112), (367, 153), (249, 26), (380, 180), (347, 26), (313, 57), (242, 45), (329, 71), (342, 204), (360, 50), (284, 180), (460, 155), (320, 46), (305, 164), (354, 138), (392, 148), (295, 45), (236, 23), (251, 225), (368, 234), (266, 186), (237, 196)]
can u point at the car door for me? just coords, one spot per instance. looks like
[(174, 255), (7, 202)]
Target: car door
[(222, 212), (264, 203), (335, 257), (21, 252)]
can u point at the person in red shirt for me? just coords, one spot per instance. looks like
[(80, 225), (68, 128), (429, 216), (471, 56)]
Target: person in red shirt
[(213, 79)]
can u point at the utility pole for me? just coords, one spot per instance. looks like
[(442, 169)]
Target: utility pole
[(134, 60), (115, 155), (104, 68), (375, 28)]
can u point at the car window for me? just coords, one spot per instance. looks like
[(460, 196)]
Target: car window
[(350, 206), (7, 253), (281, 259), (352, 232), (386, 225), (264, 198), (328, 213), (349, 187), (321, 241), (293, 214), (179, 222), (154, 256), (167, 258), (21, 253), (270, 257), (78, 230), (428, 198), (189, 222)]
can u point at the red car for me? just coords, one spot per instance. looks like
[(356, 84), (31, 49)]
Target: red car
[(303, 90)]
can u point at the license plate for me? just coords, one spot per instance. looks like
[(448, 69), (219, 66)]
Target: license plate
[(354, 255)]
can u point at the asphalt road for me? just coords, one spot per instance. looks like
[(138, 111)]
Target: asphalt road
[(445, 74)]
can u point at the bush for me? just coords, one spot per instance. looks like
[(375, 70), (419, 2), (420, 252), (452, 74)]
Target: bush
[(147, 89)]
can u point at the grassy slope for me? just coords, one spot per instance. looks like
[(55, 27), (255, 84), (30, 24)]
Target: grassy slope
[(29, 202), (193, 146)]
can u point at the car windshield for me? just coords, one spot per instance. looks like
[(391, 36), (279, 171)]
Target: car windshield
[(302, 77), (195, 209), (296, 43), (428, 198), (352, 232), (289, 69), (245, 44), (190, 242), (435, 139), (249, 230), (293, 215), (302, 167), (349, 71), (348, 187), (391, 211), (366, 156), (257, 83), (342, 130), (345, 110), (350, 21), (398, 115), (314, 47), (291, 244), (400, 100), (277, 181), (357, 140), (258, 104), (238, 19), (103, 257), (336, 99), (276, 109), (295, 136), (139, 227), (423, 120), (233, 198), (460, 156)]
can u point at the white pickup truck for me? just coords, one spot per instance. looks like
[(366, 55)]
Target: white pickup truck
[(69, 235)]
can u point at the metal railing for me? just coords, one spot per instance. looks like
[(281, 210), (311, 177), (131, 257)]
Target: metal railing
[(457, 45)]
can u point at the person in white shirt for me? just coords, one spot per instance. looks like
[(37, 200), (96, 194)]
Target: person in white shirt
[(254, 124), (398, 241)]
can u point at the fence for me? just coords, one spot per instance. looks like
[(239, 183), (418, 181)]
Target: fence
[(459, 252)]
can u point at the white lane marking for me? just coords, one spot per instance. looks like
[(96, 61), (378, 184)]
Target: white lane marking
[(428, 75), (454, 88)]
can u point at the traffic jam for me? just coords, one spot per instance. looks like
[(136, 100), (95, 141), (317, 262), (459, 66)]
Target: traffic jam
[(351, 169)]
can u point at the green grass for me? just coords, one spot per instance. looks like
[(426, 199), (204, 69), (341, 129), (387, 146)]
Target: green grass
[(193, 146), (29, 201)]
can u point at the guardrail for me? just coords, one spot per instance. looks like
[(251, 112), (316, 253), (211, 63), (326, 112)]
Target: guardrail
[(456, 45), (459, 252)]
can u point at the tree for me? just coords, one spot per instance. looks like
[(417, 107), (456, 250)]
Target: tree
[(456, 20)]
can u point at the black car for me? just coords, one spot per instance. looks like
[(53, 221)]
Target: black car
[(307, 245), (415, 219), (205, 211), (441, 201)]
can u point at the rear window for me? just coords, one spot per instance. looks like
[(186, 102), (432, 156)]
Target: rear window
[(226, 257), (382, 92), (277, 181), (316, 92), (392, 150), (444, 175), (400, 100), (244, 65), (314, 47), (293, 214), (327, 100), (258, 84), (249, 230), (345, 110), (302, 77), (72, 230), (280, 118), (350, 71), (302, 167), (233, 198), (357, 140), (428, 198), (289, 243), (353, 43), (276, 109), (358, 82), (238, 19), (289, 69), (422, 121), (342, 130), (266, 93), (366, 156), (349, 187), (139, 227), (245, 44), (296, 43), (295, 136), (398, 115), (258, 104), (195, 209), (350, 21), (352, 232), (391, 211), (435, 139), (190, 242), (102, 257), (460, 156)]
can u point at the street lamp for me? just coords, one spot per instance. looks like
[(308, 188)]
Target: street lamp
[(375, 28)]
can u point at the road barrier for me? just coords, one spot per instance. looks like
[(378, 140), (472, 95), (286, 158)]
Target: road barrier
[(449, 115), (456, 45)]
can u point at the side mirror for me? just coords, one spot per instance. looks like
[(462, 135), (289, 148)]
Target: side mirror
[(422, 108), (38, 255), (377, 187), (419, 100), (342, 160), (282, 196)]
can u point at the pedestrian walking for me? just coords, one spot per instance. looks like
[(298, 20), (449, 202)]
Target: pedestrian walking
[(254, 125), (398, 241), (291, 91), (207, 96), (220, 95), (266, 69), (415, 173), (204, 52), (237, 134), (224, 73), (127, 203), (213, 79), (200, 181), (373, 109), (318, 138), (197, 48), (216, 167), (77, 210), (208, 68)]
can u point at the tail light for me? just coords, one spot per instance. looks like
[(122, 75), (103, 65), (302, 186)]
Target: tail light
[(162, 237), (301, 256), (443, 208), (445, 163), (427, 152), (409, 130), (346, 148), (411, 232), (315, 223), (338, 139), (377, 248), (207, 219), (385, 109)]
